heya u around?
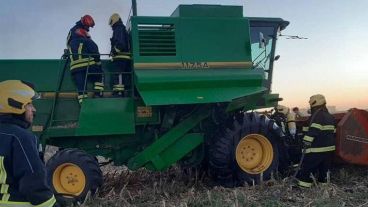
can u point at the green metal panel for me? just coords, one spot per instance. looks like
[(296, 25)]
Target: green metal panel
[(157, 156), (152, 36), (192, 42), (215, 40), (164, 87), (106, 116), (175, 152), (43, 73), (198, 10)]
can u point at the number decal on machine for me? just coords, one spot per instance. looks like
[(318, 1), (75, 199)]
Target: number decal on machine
[(195, 65)]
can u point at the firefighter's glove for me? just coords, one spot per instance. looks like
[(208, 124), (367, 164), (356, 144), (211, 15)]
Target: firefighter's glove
[(307, 144)]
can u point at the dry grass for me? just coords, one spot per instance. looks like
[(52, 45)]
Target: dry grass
[(348, 187)]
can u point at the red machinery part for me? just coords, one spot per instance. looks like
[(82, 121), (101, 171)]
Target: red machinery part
[(352, 137)]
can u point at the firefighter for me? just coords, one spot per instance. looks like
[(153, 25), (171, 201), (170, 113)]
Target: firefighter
[(85, 63), (120, 54), (286, 121), (22, 172), (319, 143), (84, 23)]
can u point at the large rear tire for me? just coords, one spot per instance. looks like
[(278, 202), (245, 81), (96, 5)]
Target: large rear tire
[(246, 151), (72, 173)]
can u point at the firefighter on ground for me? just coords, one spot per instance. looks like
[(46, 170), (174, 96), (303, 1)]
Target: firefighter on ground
[(84, 23), (85, 63), (22, 172), (285, 119), (319, 142), (120, 54)]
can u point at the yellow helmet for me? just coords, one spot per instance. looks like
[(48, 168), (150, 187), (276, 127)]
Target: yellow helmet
[(282, 109), (113, 19), (15, 95), (317, 100)]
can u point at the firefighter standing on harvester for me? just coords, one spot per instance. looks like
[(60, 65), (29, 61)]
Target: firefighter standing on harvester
[(85, 64), (319, 143), (120, 54)]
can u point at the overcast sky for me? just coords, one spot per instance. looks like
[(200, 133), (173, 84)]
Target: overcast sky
[(332, 61)]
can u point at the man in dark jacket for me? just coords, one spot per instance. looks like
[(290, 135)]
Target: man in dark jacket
[(22, 173), (85, 58), (120, 54), (319, 142), (85, 23)]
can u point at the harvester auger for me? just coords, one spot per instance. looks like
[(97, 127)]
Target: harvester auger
[(195, 75)]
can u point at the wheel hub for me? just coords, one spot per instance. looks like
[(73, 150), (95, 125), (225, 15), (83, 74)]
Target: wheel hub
[(69, 178), (254, 153)]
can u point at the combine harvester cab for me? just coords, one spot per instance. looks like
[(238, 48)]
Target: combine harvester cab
[(195, 75)]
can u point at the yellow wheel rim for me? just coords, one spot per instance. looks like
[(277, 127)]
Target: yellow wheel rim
[(68, 178), (254, 153)]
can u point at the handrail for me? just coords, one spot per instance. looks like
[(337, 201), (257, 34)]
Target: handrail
[(51, 118)]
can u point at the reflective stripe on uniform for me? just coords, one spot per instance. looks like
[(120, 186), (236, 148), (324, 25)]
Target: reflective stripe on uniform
[(84, 64), (80, 48), (99, 86), (2, 171), (308, 138), (15, 204), (5, 197), (121, 55), (320, 149), (4, 188), (48, 203), (304, 184), (124, 57), (81, 62), (323, 127), (81, 97), (305, 129), (118, 87)]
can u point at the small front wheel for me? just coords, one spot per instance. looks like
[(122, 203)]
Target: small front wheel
[(72, 173)]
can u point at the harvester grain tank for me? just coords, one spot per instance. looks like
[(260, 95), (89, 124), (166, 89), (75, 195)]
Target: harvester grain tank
[(193, 82)]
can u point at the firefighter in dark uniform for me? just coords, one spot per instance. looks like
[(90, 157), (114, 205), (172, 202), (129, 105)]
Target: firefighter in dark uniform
[(22, 172), (84, 23), (286, 121), (319, 142), (85, 63), (120, 54)]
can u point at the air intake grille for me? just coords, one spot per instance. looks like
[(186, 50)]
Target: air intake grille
[(157, 40)]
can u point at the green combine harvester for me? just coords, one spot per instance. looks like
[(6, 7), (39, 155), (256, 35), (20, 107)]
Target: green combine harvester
[(196, 77)]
